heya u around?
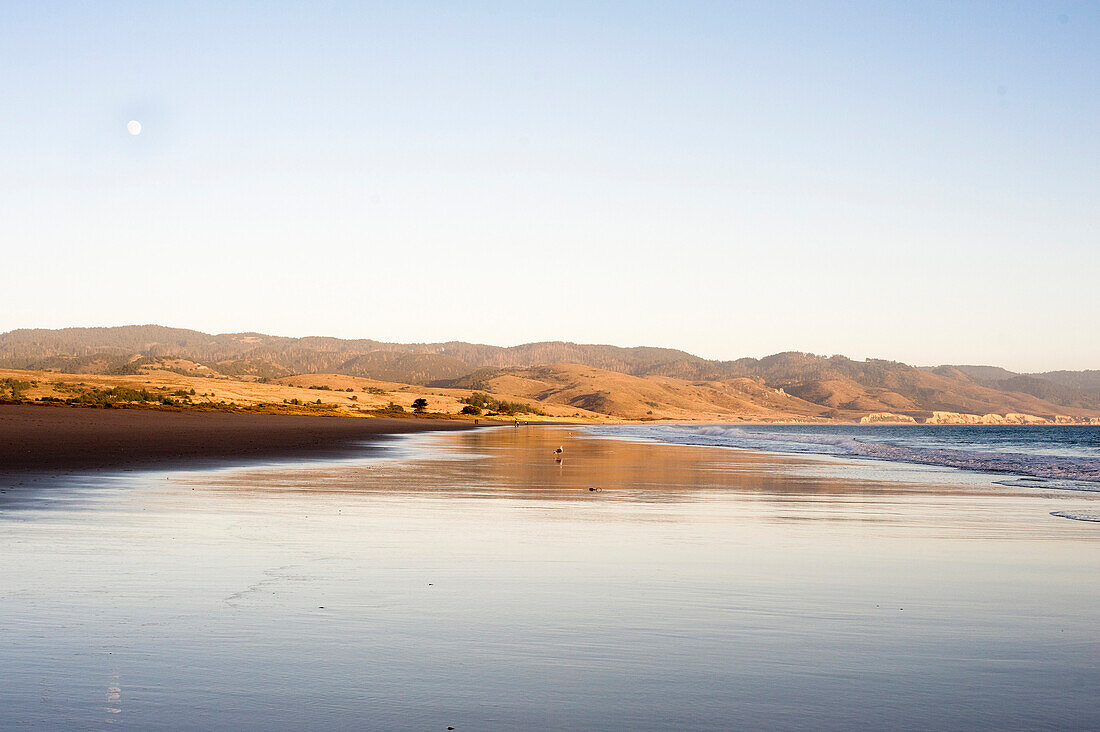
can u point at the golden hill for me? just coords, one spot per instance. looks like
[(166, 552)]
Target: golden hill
[(649, 397), (559, 378), (306, 394)]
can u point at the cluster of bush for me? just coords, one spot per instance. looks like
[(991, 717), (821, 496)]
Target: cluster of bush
[(315, 404), (124, 395), (14, 389), (479, 401)]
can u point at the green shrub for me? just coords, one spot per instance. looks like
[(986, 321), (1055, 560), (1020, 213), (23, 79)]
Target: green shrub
[(484, 401), (14, 388)]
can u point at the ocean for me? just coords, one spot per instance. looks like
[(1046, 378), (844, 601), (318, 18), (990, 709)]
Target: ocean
[(1065, 457)]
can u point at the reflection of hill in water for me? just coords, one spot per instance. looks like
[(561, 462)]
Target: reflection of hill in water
[(519, 463)]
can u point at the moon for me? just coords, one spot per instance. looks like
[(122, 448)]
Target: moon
[(133, 127)]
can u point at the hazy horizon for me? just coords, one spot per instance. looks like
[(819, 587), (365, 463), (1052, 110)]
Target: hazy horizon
[(909, 182)]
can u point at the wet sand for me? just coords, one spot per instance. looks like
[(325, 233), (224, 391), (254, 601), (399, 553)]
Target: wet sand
[(46, 439), (471, 580)]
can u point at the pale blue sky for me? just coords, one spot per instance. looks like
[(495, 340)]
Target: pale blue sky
[(914, 181)]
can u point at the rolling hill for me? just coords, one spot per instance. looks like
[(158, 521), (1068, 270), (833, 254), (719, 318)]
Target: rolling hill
[(635, 383)]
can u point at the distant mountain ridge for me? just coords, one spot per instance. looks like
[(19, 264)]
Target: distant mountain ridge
[(833, 386), (53, 349), (1074, 384)]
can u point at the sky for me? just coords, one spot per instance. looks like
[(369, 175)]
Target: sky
[(913, 181)]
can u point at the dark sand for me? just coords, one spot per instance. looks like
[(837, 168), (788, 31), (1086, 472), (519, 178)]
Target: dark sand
[(50, 439)]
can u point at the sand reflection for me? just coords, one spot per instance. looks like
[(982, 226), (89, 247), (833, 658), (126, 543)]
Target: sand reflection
[(522, 464)]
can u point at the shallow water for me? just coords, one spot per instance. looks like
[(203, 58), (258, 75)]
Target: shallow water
[(1064, 456), (470, 580)]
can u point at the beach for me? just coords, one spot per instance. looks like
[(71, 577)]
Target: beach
[(471, 579), (49, 439)]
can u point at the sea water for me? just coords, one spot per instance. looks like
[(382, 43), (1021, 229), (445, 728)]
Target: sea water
[(1061, 456)]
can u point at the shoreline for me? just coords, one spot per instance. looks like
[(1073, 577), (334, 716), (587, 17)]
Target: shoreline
[(1073, 473), (41, 440), (504, 419)]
